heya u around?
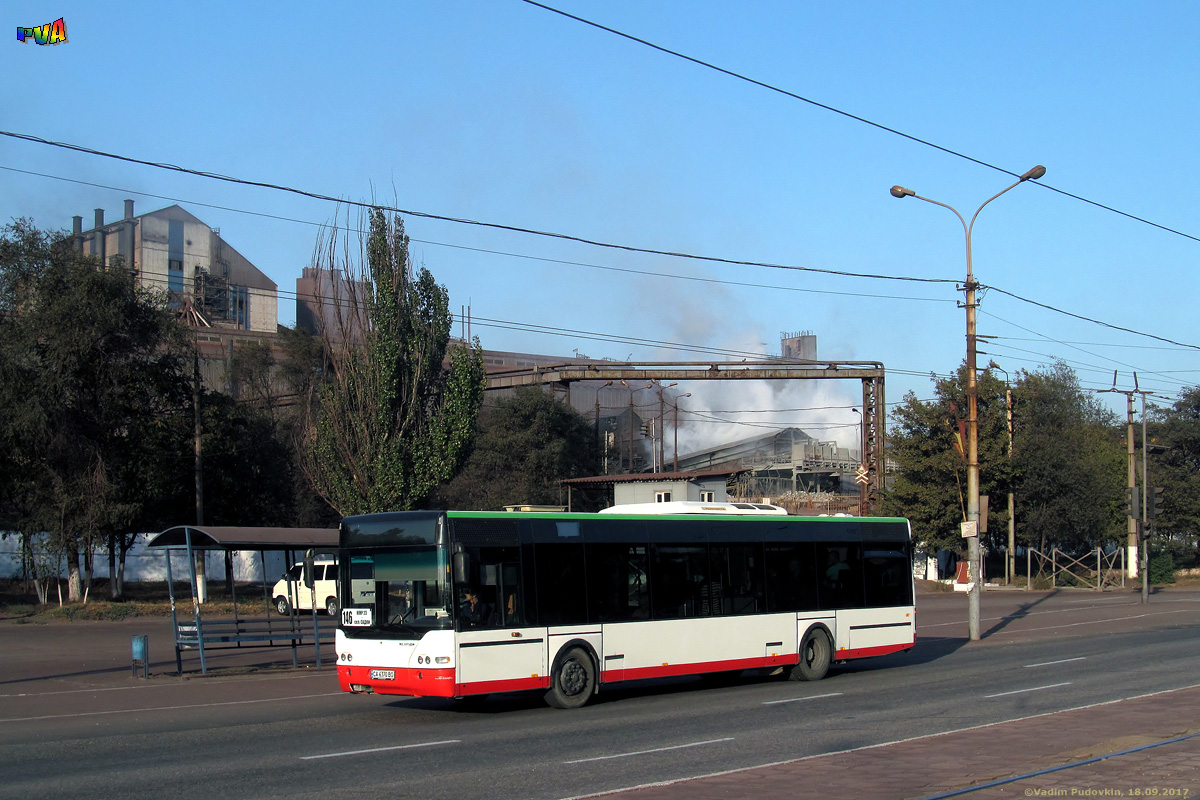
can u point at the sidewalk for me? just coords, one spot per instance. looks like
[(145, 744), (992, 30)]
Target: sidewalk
[(965, 763)]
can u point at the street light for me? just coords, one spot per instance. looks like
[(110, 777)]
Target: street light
[(662, 423), (675, 448), (972, 398), (1010, 562), (862, 451)]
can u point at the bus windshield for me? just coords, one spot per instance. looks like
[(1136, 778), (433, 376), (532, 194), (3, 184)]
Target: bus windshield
[(402, 592)]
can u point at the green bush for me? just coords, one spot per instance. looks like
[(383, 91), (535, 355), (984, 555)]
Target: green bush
[(1162, 568)]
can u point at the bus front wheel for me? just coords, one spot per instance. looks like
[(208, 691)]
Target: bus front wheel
[(816, 651), (573, 680)]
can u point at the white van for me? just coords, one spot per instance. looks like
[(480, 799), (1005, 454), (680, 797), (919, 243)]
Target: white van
[(290, 592)]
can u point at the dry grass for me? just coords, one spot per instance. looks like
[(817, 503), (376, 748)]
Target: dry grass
[(148, 599)]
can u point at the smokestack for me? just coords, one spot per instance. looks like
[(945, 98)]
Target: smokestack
[(128, 209), (77, 225), (99, 217)]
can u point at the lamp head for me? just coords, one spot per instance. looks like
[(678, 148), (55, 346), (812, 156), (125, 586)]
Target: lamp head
[(900, 191), (1034, 174)]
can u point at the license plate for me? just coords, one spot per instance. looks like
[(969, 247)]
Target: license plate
[(383, 674)]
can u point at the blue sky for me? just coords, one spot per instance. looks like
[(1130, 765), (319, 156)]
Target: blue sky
[(506, 113)]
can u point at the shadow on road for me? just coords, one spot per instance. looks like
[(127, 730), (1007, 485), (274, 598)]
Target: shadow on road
[(1020, 613)]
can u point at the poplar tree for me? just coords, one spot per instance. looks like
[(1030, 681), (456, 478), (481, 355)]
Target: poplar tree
[(394, 416)]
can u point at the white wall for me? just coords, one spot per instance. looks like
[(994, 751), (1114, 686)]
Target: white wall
[(142, 564)]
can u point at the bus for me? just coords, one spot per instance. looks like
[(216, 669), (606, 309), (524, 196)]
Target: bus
[(470, 603)]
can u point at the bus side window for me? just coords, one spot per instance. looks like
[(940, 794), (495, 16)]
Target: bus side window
[(736, 569), (840, 574), (791, 577), (886, 569), (678, 578), (561, 584), (617, 582)]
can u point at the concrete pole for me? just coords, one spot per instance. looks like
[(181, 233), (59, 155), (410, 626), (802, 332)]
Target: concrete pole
[(1131, 547)]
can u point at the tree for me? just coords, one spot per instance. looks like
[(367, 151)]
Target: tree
[(87, 360), (526, 444), (1072, 471), (928, 444), (396, 416), (1066, 471), (1174, 464)]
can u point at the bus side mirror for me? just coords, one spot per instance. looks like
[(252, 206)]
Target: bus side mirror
[(462, 566), (308, 568)]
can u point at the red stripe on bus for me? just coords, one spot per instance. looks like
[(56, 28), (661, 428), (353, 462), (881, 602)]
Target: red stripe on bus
[(412, 682), (671, 670), (867, 652), (511, 685)]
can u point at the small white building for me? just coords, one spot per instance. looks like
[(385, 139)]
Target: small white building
[(654, 487)]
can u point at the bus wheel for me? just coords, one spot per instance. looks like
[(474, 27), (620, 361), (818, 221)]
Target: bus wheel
[(815, 654), (282, 606), (573, 680), (331, 607)]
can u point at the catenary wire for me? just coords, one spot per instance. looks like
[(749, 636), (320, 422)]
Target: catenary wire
[(627, 248), (856, 118), (650, 273)]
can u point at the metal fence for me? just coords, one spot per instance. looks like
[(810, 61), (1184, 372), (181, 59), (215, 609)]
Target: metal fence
[(1093, 570)]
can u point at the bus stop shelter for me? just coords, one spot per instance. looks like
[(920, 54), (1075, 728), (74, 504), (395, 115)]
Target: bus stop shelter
[(273, 630)]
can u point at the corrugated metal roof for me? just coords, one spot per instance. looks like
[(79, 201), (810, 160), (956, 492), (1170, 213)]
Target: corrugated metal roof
[(647, 477)]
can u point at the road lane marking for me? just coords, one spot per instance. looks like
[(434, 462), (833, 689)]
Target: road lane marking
[(146, 686), (801, 699), (1053, 627), (169, 708), (381, 749), (1023, 691), (1061, 661), (880, 745), (647, 752)]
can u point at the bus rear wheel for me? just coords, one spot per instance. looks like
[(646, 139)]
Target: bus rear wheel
[(573, 680), (816, 652)]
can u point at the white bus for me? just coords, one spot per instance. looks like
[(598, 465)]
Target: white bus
[(470, 603)]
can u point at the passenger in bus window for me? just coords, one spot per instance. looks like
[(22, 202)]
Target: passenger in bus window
[(510, 610), (474, 612), (835, 566)]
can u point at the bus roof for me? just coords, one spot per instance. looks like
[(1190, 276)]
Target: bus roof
[(694, 507)]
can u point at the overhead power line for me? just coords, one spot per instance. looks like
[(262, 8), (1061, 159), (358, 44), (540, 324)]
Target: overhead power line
[(855, 117), (462, 221), (488, 251), (628, 248)]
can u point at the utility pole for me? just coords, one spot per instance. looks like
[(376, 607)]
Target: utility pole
[(1136, 516), (198, 466)]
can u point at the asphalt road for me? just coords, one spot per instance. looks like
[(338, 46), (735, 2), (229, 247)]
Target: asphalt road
[(73, 721)]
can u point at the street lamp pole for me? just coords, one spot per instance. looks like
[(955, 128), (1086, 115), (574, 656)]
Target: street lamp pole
[(969, 289), (675, 447), (862, 438)]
